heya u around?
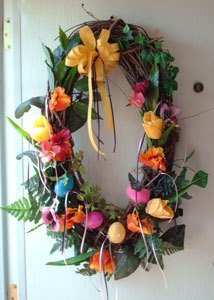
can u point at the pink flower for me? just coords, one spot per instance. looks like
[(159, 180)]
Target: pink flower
[(169, 113), (138, 98), (59, 147), (49, 217)]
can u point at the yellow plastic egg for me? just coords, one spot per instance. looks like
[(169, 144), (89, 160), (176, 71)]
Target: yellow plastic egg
[(116, 232)]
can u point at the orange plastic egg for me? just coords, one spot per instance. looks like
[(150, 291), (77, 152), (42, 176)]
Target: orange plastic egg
[(116, 232)]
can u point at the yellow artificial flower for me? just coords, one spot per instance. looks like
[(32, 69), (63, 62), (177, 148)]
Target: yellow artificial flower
[(153, 125), (159, 209), (42, 130)]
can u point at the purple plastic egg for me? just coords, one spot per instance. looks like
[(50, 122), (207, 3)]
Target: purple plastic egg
[(142, 196), (95, 219)]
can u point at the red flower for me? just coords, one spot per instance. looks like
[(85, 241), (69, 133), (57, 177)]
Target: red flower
[(59, 147), (138, 98)]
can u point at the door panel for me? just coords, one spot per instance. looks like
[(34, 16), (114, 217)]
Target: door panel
[(187, 29)]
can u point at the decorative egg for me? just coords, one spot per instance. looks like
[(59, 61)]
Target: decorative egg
[(95, 219), (116, 232), (61, 188), (142, 196)]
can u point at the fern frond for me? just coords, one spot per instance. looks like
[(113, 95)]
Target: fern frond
[(169, 248), (24, 209)]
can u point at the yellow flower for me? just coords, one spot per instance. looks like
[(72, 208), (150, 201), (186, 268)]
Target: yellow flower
[(153, 125), (41, 130), (159, 209)]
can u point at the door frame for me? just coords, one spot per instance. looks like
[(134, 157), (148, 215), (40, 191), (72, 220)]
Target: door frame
[(12, 233)]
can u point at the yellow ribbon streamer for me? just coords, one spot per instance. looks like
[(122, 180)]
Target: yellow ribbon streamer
[(103, 56)]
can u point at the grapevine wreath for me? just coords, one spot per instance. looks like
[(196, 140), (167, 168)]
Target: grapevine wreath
[(106, 238)]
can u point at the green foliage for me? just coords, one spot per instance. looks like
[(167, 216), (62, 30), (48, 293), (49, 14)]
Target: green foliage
[(81, 109), (91, 194), (24, 209), (30, 154), (134, 184), (76, 260), (200, 179), (21, 131), (74, 122), (152, 92), (174, 237), (126, 263), (26, 105), (156, 247), (63, 39), (163, 139), (85, 270), (71, 239), (82, 84), (140, 249), (76, 163)]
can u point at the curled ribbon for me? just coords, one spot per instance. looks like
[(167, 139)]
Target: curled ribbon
[(103, 57)]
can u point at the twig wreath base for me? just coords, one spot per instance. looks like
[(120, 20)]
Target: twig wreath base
[(106, 238)]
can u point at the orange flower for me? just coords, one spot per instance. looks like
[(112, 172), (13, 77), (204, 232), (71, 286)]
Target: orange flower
[(73, 215), (133, 224), (154, 158), (159, 209), (153, 125), (59, 100), (107, 260)]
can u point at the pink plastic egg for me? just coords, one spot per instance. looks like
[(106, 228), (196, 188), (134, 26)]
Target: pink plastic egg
[(95, 219), (142, 196)]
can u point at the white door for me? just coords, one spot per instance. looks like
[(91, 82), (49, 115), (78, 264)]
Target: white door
[(187, 27)]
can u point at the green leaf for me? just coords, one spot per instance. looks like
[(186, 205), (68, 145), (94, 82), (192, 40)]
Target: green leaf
[(73, 41), (126, 263), (126, 29), (69, 78), (21, 131), (175, 235), (149, 142), (22, 210), (133, 183), (81, 109), (158, 44), (155, 244), (140, 249), (82, 84), (154, 75), (74, 122), (190, 155), (26, 105), (49, 55), (72, 260), (169, 248), (30, 154), (60, 72), (152, 92), (63, 39), (163, 139), (34, 228), (200, 179)]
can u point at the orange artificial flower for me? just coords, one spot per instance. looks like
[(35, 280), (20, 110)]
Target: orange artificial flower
[(59, 100), (159, 209), (153, 125), (73, 215), (107, 260), (133, 224), (154, 158)]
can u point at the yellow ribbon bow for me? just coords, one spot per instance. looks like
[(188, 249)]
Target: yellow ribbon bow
[(101, 55)]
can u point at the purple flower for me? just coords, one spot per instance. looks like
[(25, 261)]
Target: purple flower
[(169, 113), (49, 217)]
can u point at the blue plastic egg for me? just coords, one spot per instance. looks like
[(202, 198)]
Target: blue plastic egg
[(61, 188)]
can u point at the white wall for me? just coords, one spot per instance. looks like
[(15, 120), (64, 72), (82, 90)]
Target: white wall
[(187, 27)]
